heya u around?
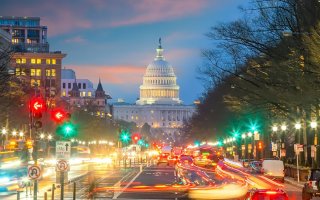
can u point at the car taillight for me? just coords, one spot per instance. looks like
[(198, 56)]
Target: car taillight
[(271, 192)]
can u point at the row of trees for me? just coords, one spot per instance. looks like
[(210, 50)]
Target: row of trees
[(265, 65)]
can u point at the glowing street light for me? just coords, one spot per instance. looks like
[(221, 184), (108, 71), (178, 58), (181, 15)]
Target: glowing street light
[(297, 126), (14, 133), (249, 134), (49, 137), (41, 135), (313, 124), (21, 134), (243, 136), (283, 127), (4, 131), (274, 128)]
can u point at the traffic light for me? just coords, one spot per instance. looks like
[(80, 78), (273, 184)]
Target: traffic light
[(37, 106), (260, 145), (67, 130), (59, 115), (136, 137), (124, 136)]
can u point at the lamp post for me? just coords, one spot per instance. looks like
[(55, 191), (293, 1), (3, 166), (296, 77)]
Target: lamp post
[(282, 144), (243, 136), (314, 125), (4, 137)]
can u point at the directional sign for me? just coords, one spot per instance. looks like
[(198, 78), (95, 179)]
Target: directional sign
[(34, 172), (62, 166), (63, 150)]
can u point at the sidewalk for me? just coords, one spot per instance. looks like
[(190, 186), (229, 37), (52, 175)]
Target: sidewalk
[(292, 181)]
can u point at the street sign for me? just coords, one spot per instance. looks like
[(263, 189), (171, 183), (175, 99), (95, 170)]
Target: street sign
[(274, 147), (62, 166), (256, 136), (34, 172), (283, 153), (63, 150), (298, 148)]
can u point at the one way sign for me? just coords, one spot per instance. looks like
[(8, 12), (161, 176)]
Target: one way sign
[(63, 150)]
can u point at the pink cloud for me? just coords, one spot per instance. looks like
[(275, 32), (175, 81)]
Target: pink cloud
[(118, 75)]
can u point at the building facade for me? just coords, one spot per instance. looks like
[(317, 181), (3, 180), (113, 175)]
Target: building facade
[(159, 104), (27, 33), (5, 41)]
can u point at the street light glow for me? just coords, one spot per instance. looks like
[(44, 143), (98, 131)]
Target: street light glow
[(3, 131), (243, 135), (297, 126), (274, 128), (41, 135), (49, 137), (249, 134), (313, 124), (21, 134), (14, 133), (283, 127)]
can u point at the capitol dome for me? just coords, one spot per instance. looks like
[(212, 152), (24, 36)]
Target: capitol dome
[(159, 82)]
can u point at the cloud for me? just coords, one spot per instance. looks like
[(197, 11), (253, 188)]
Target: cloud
[(77, 39), (73, 15), (117, 75)]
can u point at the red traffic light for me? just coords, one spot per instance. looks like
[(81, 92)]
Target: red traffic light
[(135, 137), (58, 115), (37, 104)]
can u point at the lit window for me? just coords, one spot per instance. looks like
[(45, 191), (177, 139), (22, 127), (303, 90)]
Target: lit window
[(64, 93), (38, 82), (53, 72), (89, 94), (38, 72), (18, 60), (83, 94), (18, 72), (48, 72), (33, 61), (15, 40), (53, 61), (48, 61), (38, 61), (32, 72), (33, 82), (23, 61)]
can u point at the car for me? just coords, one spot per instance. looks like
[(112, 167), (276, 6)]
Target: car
[(312, 187), (163, 158), (185, 159), (273, 169), (266, 194), (245, 162)]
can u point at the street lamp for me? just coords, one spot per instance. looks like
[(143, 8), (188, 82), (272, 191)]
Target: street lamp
[(297, 126), (4, 131), (249, 134), (243, 136), (14, 133), (283, 127), (21, 134), (49, 137), (313, 124), (41, 136), (274, 128)]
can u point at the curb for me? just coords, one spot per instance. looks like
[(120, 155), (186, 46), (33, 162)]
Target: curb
[(293, 183)]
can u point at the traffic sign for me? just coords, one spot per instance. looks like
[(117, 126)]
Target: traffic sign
[(298, 148), (63, 150), (62, 166), (274, 146), (34, 172)]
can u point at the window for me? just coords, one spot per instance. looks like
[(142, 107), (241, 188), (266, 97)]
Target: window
[(38, 72), (53, 61), (23, 61), (18, 71), (48, 72), (83, 94), (32, 72), (89, 94), (18, 60), (48, 61), (53, 72), (63, 85), (69, 85), (79, 85), (84, 86), (33, 61), (38, 61), (64, 93), (33, 82)]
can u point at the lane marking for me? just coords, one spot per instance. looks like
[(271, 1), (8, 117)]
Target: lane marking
[(116, 195)]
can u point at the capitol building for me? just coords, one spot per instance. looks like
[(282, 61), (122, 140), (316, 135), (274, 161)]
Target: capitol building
[(159, 104)]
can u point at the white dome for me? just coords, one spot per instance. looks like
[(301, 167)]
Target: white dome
[(159, 68)]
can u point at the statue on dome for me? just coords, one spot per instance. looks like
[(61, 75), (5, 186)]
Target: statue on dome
[(160, 42)]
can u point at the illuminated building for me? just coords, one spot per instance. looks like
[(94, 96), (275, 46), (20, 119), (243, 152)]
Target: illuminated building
[(26, 32), (159, 104)]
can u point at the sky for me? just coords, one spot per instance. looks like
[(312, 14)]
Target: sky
[(115, 40)]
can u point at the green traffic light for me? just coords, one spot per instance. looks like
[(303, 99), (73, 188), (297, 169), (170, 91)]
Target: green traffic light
[(124, 136), (67, 130)]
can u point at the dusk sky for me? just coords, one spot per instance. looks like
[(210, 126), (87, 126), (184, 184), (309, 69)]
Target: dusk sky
[(116, 39)]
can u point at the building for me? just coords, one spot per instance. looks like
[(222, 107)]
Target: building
[(159, 104), (5, 41), (44, 69), (27, 33), (34, 64), (95, 104), (85, 86)]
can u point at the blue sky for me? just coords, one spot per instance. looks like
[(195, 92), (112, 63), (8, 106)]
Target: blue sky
[(116, 39)]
